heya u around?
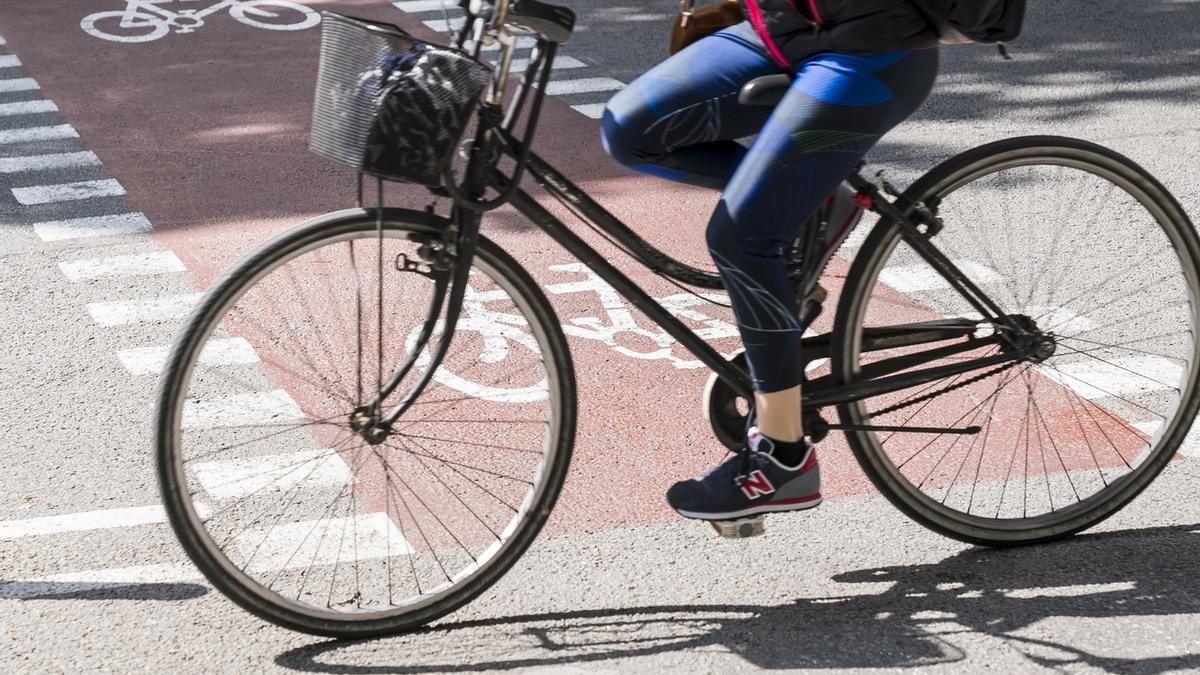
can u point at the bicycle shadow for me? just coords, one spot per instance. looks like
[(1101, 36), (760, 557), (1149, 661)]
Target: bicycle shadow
[(916, 621)]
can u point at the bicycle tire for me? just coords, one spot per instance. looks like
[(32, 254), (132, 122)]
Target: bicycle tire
[(951, 175), (178, 501)]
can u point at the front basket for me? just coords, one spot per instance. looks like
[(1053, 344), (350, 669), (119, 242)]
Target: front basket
[(389, 104)]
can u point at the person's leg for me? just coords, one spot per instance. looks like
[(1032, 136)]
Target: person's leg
[(679, 119), (837, 108)]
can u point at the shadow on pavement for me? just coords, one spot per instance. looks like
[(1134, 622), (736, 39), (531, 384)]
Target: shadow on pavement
[(916, 620), (73, 590)]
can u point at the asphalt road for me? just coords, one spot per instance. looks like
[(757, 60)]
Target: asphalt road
[(185, 151)]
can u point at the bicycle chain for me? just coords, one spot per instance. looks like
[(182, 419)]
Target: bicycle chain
[(925, 397)]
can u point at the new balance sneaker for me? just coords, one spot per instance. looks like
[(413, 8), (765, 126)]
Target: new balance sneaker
[(750, 483)]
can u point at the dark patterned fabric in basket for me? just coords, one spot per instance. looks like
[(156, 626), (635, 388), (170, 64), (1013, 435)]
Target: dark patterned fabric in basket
[(389, 104)]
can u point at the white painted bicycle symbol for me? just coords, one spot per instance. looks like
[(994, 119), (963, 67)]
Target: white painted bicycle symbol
[(144, 20), (506, 335)]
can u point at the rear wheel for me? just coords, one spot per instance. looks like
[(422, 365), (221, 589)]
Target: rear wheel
[(270, 482), (1093, 255)]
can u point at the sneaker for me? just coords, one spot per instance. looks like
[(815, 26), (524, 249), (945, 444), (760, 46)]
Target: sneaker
[(749, 483)]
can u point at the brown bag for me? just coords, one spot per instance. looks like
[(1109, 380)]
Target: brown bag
[(693, 24)]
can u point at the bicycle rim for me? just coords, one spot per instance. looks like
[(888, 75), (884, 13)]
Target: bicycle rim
[(1085, 245), (297, 517)]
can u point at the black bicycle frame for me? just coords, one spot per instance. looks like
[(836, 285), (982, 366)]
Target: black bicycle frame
[(495, 140)]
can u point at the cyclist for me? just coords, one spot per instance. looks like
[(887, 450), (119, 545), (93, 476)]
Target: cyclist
[(860, 68)]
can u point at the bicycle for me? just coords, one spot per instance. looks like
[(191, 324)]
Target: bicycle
[(145, 21), (1004, 370)]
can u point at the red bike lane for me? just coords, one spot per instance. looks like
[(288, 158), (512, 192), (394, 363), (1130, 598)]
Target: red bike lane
[(207, 131)]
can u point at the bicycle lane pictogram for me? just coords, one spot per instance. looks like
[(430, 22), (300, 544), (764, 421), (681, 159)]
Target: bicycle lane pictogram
[(207, 130)]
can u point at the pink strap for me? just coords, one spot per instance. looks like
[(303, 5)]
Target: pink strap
[(760, 27)]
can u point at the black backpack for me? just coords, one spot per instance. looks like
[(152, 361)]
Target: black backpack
[(979, 20)]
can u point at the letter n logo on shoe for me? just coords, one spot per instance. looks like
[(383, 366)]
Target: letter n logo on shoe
[(756, 485)]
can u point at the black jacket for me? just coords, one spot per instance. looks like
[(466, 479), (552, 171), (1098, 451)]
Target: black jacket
[(801, 27)]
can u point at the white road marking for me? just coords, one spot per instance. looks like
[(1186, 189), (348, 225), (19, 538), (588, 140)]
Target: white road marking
[(415, 6), (322, 542), (27, 107), (88, 520), (1070, 591), (922, 277), (583, 85), (88, 580), (260, 407), (227, 352), (2, 40), (592, 110), (441, 26), (66, 192), (1093, 379), (9, 61), (30, 134), (1059, 319), (94, 226), (137, 264), (42, 162), (560, 63), (523, 42), (137, 311), (254, 475), (19, 84)]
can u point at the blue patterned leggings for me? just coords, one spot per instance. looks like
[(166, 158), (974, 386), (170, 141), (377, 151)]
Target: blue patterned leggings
[(680, 120)]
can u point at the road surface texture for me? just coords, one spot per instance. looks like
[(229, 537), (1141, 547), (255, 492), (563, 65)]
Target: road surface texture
[(133, 172)]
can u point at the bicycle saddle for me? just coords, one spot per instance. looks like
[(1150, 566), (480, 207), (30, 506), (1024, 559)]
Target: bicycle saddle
[(765, 90), (552, 22)]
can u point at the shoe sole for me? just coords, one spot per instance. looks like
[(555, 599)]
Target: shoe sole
[(768, 507)]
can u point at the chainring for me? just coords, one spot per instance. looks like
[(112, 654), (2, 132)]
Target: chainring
[(720, 405)]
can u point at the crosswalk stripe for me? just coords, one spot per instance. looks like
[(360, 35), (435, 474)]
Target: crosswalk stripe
[(93, 226), (922, 277), (88, 580), (18, 84), (66, 192), (137, 264), (27, 107), (42, 162), (560, 63), (260, 407), (1121, 377), (369, 535), (138, 311), (583, 85), (89, 520), (416, 6), (441, 26), (242, 477), (592, 110), (9, 61), (226, 352), (31, 134)]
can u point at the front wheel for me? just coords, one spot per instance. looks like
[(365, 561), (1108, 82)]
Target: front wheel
[(271, 484), (123, 26), (1098, 265)]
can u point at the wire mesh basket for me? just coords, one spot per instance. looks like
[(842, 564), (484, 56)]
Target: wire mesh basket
[(389, 104)]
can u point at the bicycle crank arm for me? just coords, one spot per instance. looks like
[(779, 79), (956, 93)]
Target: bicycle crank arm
[(965, 431)]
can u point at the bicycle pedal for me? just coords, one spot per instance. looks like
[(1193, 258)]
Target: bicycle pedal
[(740, 528)]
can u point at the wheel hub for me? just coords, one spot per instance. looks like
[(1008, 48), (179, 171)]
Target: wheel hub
[(1038, 345), (368, 426)]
